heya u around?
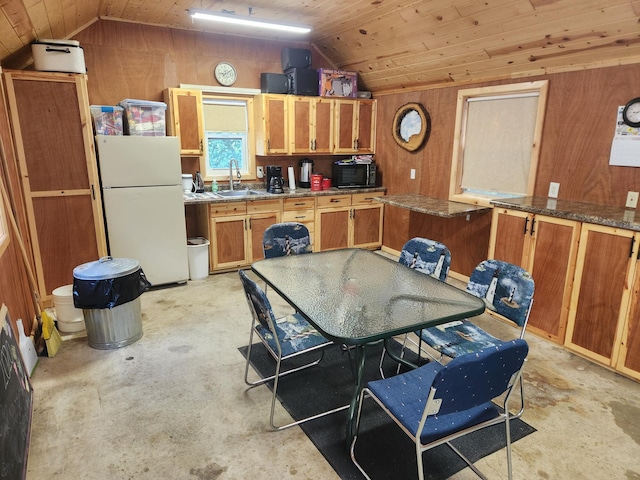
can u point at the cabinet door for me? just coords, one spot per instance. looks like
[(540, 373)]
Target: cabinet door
[(186, 120), (301, 124), (367, 226), (345, 126), (257, 225), (629, 358), (554, 245), (510, 237), (366, 121), (323, 126), (229, 244), (332, 228), (272, 133), (601, 292), (51, 125)]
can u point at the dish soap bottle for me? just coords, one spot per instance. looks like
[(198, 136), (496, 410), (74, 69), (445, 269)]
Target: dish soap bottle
[(214, 185)]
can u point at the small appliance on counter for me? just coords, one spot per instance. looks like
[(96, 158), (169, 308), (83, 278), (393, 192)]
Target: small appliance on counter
[(306, 169), (355, 172), (274, 179), (198, 183)]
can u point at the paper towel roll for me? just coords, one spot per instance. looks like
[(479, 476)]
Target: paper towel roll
[(292, 178)]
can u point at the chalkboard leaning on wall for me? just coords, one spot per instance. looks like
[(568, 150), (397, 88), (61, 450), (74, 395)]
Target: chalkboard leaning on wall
[(16, 404)]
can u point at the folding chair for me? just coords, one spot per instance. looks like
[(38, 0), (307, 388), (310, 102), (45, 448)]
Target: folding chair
[(284, 338), (437, 403), (287, 238)]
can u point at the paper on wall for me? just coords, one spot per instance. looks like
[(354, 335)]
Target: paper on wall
[(625, 147)]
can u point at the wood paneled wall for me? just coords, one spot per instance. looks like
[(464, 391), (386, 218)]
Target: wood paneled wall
[(578, 130)]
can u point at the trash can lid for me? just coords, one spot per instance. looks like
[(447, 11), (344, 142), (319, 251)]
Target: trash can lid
[(106, 267)]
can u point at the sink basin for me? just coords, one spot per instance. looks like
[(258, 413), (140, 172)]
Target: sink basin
[(239, 193)]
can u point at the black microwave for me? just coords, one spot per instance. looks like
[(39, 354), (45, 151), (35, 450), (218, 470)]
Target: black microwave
[(350, 174)]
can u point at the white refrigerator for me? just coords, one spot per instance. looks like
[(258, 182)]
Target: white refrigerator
[(143, 204)]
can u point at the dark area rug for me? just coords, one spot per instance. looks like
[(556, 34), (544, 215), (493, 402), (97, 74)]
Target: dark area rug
[(382, 449)]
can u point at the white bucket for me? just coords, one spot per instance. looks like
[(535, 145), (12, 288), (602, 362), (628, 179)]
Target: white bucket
[(198, 251), (70, 318)]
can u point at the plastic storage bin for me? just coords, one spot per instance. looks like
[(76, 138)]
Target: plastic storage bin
[(107, 120), (198, 253), (108, 291), (144, 117)]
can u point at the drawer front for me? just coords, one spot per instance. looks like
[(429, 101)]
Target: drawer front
[(301, 203), (302, 216), (364, 198), (331, 201), (225, 209), (257, 206)]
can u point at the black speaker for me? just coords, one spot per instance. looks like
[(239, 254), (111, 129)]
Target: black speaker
[(274, 83), (295, 58), (303, 81)]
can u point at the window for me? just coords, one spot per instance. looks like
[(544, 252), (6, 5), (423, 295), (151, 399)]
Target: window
[(227, 125), (498, 132)]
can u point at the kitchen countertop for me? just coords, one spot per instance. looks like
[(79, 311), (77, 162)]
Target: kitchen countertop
[(211, 197), (430, 206), (582, 212)]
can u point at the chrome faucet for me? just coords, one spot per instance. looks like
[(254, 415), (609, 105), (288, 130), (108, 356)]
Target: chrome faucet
[(238, 174)]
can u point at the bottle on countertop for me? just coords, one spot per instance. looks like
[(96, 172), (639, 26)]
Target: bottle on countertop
[(214, 185)]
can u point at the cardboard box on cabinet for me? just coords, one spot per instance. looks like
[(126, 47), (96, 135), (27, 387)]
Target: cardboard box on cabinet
[(337, 83)]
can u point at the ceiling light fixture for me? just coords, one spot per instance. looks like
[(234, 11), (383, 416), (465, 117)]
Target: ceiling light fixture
[(234, 19)]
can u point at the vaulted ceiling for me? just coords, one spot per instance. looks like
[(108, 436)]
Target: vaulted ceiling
[(393, 44)]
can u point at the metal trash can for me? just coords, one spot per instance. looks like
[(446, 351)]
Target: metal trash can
[(108, 291)]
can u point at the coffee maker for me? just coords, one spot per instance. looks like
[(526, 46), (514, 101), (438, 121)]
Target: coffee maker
[(274, 179)]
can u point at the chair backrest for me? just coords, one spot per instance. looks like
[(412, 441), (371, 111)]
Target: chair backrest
[(259, 305), (426, 256), (287, 238), (506, 289), (476, 378)]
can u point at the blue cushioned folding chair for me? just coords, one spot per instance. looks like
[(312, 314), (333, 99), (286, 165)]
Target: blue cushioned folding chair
[(288, 238), (508, 293), (437, 403), (284, 338)]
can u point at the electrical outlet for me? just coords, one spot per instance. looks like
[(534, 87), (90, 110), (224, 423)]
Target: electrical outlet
[(553, 189), (632, 200), (412, 174), (260, 172)]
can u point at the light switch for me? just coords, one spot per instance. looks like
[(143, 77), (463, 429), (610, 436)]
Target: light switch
[(553, 189), (413, 174)]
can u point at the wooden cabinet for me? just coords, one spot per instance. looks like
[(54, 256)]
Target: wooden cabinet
[(236, 230), (348, 221), (185, 119), (302, 210), (51, 124), (272, 125), (546, 247), (629, 357), (601, 297), (355, 126), (310, 125)]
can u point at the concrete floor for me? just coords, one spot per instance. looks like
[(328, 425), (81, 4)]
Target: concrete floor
[(174, 406)]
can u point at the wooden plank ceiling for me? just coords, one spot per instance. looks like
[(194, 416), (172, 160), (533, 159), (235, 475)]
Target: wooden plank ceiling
[(393, 44)]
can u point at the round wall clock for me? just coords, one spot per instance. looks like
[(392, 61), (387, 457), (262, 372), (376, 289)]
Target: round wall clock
[(225, 74), (631, 113), (411, 126)]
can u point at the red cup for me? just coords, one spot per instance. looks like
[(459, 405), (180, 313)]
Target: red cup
[(326, 183), (316, 182)]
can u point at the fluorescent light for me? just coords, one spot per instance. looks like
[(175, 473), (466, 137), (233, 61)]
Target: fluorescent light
[(247, 21)]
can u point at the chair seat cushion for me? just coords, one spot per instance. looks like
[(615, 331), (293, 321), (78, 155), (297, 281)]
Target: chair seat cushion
[(457, 338), (295, 334), (405, 396)]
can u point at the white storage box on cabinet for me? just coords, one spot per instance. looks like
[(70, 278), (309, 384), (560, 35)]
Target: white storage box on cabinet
[(58, 56)]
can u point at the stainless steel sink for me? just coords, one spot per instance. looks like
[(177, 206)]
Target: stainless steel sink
[(239, 193)]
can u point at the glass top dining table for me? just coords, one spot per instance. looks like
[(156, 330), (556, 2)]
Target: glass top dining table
[(357, 297)]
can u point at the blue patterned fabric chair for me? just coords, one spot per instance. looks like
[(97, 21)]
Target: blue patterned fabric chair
[(437, 403), (283, 338), (288, 238), (426, 256)]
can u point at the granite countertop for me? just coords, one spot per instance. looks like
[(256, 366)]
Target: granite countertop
[(582, 212), (262, 194), (430, 206)]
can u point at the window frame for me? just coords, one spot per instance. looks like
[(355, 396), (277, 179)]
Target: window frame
[(456, 192)]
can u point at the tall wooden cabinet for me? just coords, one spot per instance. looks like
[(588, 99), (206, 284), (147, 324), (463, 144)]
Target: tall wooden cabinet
[(546, 247), (52, 128)]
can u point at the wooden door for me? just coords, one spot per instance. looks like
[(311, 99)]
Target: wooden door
[(367, 226), (554, 245), (629, 358), (366, 120), (258, 223), (186, 120), (510, 236), (323, 126), (332, 229), (54, 143), (301, 124), (345, 126), (601, 292), (229, 242)]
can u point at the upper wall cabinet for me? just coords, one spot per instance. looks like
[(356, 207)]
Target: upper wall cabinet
[(311, 130), (272, 125), (355, 126), (186, 119)]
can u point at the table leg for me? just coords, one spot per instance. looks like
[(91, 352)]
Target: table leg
[(351, 420), (398, 359)]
